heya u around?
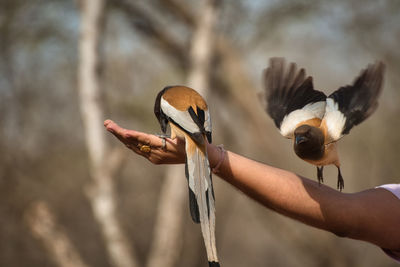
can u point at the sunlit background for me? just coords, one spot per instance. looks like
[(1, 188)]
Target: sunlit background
[(47, 208)]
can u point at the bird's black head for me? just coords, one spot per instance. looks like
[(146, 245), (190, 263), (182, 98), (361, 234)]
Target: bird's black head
[(309, 142), (161, 117)]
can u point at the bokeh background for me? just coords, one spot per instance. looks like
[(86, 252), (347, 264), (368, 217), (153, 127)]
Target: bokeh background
[(61, 205)]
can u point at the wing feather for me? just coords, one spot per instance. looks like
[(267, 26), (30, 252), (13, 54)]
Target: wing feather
[(352, 104), (289, 97)]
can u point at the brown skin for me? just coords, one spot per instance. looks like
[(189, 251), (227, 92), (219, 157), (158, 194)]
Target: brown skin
[(372, 215)]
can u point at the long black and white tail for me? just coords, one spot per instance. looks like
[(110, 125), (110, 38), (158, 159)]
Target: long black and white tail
[(201, 196)]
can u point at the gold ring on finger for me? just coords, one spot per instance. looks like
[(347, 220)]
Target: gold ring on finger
[(145, 148)]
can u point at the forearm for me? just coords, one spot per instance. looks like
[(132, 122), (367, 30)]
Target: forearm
[(285, 192)]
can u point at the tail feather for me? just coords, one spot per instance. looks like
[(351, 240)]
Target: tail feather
[(199, 176), (194, 208)]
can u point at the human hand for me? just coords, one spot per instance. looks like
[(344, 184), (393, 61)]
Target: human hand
[(148, 145)]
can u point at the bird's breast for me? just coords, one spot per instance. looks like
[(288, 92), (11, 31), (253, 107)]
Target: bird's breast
[(330, 156)]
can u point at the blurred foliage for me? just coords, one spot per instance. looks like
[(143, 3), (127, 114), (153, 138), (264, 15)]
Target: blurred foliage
[(144, 48)]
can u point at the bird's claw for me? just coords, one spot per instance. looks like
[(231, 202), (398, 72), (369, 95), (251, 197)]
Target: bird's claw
[(320, 175), (340, 181)]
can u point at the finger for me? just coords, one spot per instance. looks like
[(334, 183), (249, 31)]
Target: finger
[(137, 150), (132, 135), (144, 138), (120, 134), (128, 137), (114, 128), (106, 122)]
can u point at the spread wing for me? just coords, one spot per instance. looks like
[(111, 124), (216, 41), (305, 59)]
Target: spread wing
[(352, 104), (289, 97)]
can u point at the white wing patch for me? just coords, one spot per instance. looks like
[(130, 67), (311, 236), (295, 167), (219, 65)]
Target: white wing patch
[(207, 121), (308, 112), (334, 119), (180, 117)]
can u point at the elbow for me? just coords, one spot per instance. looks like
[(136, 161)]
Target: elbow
[(343, 229), (341, 233)]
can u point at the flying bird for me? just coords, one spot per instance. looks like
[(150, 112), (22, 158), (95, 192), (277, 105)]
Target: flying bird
[(313, 120), (187, 114)]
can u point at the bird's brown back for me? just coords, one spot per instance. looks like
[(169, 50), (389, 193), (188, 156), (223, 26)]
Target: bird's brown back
[(182, 97)]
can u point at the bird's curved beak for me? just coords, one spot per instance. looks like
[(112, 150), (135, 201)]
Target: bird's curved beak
[(299, 139)]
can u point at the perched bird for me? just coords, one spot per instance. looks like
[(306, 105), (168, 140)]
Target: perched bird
[(186, 112), (314, 121)]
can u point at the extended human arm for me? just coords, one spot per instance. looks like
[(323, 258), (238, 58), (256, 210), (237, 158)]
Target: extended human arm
[(372, 215)]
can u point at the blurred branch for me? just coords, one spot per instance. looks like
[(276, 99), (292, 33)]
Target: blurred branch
[(202, 48), (150, 27), (241, 88), (276, 15), (100, 192), (44, 227), (181, 10)]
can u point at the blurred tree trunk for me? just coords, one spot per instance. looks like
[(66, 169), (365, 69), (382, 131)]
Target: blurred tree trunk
[(44, 227), (167, 241), (202, 48), (101, 191)]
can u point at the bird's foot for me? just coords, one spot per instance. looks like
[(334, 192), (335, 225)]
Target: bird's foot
[(320, 176), (340, 181)]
